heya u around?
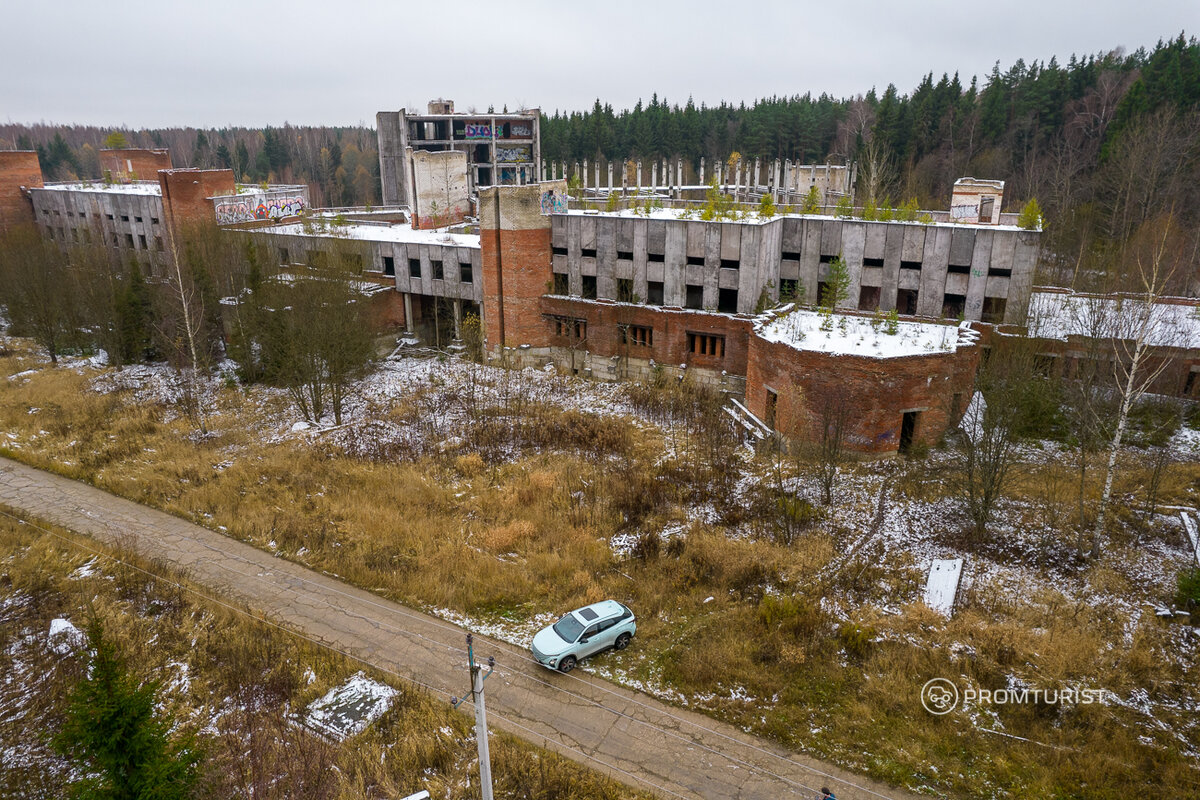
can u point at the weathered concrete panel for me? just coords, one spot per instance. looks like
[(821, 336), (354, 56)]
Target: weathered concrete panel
[(978, 280), (962, 246), (854, 240), (914, 243), (892, 248)]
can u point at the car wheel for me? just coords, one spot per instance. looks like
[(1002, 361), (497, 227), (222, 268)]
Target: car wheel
[(567, 664), (622, 642)]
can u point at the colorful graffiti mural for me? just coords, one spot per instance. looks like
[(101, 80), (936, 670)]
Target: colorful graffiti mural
[(554, 202), (258, 207), (508, 155), (474, 130), (520, 130)]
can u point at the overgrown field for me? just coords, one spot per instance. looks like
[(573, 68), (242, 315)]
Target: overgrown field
[(503, 498), (235, 680)]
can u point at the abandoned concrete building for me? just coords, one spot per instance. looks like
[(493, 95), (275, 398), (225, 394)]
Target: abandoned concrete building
[(500, 149), (623, 293)]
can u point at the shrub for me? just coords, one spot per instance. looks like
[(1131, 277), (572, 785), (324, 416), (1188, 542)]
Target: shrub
[(1030, 218), (1187, 592), (856, 640)]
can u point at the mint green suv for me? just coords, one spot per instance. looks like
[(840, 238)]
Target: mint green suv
[(584, 632)]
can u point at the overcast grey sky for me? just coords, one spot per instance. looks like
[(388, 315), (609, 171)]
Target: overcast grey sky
[(337, 62)]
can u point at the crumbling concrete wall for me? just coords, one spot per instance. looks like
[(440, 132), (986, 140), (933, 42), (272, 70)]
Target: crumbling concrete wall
[(440, 193), (971, 195)]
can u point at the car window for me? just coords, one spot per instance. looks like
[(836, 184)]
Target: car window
[(568, 628), (591, 631), (606, 625)]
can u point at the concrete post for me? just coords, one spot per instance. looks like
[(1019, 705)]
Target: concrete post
[(754, 184), (583, 179), (678, 178), (776, 188), (639, 176), (737, 183), (457, 318), (654, 176), (787, 181), (596, 168), (610, 166), (701, 170), (408, 320)]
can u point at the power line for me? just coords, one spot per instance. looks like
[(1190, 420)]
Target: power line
[(391, 608)]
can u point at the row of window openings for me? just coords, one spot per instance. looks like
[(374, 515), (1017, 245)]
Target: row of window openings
[(83, 215), (727, 299), (700, 344), (653, 258), (953, 305), (728, 263), (86, 238)]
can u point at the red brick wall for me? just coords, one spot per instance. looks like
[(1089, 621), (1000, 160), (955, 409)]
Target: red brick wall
[(387, 309), (185, 194), (133, 164), (670, 328), (515, 264), (878, 391), (17, 168)]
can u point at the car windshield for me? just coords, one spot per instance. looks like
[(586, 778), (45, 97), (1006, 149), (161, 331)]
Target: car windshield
[(568, 628)]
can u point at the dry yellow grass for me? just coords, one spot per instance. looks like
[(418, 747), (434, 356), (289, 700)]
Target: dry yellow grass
[(517, 539)]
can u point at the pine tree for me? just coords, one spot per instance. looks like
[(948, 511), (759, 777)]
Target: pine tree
[(1030, 218), (115, 736)]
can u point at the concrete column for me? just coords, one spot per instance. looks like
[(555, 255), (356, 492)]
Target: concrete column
[(737, 181), (678, 178), (610, 186), (754, 184), (457, 318), (639, 176), (777, 183), (584, 178), (596, 168), (701, 170), (787, 181), (624, 177), (408, 320), (654, 176)]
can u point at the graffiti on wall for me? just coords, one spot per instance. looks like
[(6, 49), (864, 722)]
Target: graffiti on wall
[(474, 130), (520, 130), (554, 202), (508, 155), (962, 212), (255, 208)]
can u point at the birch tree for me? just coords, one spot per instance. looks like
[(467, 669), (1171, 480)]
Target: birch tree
[(1142, 323)]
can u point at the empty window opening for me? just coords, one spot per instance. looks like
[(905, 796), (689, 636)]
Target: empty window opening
[(562, 283), (789, 255), (317, 258), (827, 259), (994, 272), (727, 301), (1189, 386), (588, 252), (730, 263), (438, 273), (558, 251), (910, 265), (706, 344), (158, 243), (625, 291), (655, 258), (654, 293), (958, 269), (908, 427), (142, 241), (868, 298), (571, 328), (414, 268), (906, 301), (154, 220), (389, 265), (137, 219), (129, 240), (985, 208), (466, 273), (124, 217), (284, 258), (954, 305), (993, 309), (695, 296), (872, 262), (769, 411), (589, 287), (625, 255), (636, 335), (695, 261)]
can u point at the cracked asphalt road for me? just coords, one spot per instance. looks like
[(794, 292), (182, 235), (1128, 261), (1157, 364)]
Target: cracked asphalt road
[(628, 735)]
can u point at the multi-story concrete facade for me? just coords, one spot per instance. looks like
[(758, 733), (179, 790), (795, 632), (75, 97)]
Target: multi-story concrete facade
[(501, 149)]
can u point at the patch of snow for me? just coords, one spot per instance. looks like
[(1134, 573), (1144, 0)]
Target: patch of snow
[(850, 335), (347, 710), (64, 638)]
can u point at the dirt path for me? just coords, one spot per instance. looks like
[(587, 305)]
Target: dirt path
[(630, 736)]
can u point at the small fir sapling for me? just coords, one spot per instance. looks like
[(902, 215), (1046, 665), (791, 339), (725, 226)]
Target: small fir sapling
[(843, 210), (812, 202), (1030, 218)]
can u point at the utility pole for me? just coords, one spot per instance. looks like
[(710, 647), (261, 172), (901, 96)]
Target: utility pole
[(478, 676)]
